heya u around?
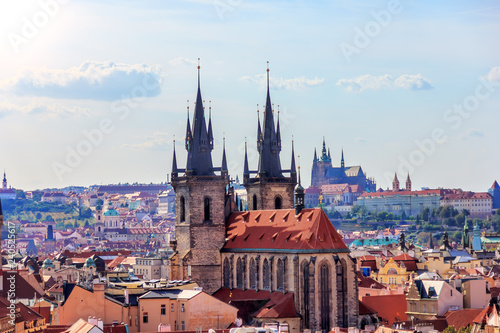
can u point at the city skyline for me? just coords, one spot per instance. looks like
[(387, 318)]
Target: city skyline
[(397, 85)]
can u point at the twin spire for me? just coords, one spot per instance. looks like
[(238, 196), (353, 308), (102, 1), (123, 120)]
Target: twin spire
[(199, 141), (268, 144)]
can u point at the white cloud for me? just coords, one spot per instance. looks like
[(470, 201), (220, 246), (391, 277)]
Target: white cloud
[(493, 75), (370, 82), (44, 110), (182, 61), (413, 82), (360, 139), (92, 80), (156, 142), (281, 83)]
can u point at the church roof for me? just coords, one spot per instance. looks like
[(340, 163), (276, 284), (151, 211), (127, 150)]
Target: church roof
[(495, 185), (282, 230)]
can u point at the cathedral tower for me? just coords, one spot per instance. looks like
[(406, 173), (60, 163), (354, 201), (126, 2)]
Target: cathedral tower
[(200, 202), (395, 183), (408, 183), (269, 189)]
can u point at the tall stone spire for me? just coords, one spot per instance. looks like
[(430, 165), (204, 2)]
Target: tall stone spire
[(246, 170), (293, 169), (174, 163), (342, 163), (269, 159), (224, 160), (199, 148)]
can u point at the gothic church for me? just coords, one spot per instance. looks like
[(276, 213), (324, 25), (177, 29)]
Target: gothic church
[(277, 262)]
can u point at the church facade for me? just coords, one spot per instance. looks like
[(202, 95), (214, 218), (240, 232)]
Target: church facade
[(278, 262), (323, 172)]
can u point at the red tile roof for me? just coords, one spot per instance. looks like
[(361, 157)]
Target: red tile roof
[(283, 230), (461, 318), (391, 193), (409, 262), (365, 309), (278, 305), (390, 308)]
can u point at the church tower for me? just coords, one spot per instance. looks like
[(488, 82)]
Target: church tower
[(321, 166), (395, 183), (408, 183), (200, 202), (269, 189), (4, 182)]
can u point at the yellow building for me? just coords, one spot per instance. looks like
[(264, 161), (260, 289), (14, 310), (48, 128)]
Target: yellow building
[(391, 274)]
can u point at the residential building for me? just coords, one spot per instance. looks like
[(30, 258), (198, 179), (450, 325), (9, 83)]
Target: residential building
[(479, 204), (183, 310)]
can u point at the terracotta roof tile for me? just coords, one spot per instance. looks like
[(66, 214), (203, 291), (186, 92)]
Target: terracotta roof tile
[(310, 230)]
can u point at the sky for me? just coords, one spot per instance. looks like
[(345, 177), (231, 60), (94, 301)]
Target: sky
[(95, 92)]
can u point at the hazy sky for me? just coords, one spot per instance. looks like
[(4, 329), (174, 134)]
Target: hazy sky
[(95, 93)]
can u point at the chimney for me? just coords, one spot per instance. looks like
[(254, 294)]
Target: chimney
[(100, 324)]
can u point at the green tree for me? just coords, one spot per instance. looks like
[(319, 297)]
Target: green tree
[(49, 218), (403, 216), (37, 196), (425, 214), (38, 216), (20, 194), (450, 329)]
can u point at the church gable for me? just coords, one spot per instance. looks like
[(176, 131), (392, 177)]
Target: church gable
[(309, 231)]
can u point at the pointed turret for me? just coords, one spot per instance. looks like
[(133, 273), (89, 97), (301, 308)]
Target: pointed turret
[(246, 170), (278, 132), (224, 161), (408, 183), (342, 163), (259, 130), (210, 135), (293, 169), (199, 149), (174, 164), (465, 235), (269, 161), (299, 196), (431, 242), (395, 183), (189, 134), (329, 156), (315, 156)]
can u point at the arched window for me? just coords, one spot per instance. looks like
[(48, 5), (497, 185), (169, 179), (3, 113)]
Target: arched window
[(254, 201), (341, 279), (182, 209), (305, 289), (266, 272), (206, 209), (277, 202), (325, 294), (226, 273), (280, 279), (239, 274), (253, 273)]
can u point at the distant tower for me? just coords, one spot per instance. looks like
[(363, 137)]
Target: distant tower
[(494, 191), (408, 183), (299, 197), (4, 182), (321, 166), (342, 163), (465, 235), (269, 189), (395, 183), (50, 242), (200, 196)]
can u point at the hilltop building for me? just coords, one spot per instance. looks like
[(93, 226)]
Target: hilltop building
[(323, 172)]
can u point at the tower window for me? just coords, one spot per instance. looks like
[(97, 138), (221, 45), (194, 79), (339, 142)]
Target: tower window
[(182, 209), (277, 202), (254, 202), (206, 209)]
